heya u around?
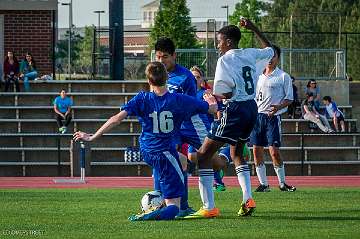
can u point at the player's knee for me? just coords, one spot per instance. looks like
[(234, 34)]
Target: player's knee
[(183, 161), (193, 157), (219, 162)]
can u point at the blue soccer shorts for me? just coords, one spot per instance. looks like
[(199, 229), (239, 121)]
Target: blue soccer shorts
[(236, 123), (267, 131), (167, 168)]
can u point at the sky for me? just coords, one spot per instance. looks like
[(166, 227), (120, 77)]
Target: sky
[(83, 15)]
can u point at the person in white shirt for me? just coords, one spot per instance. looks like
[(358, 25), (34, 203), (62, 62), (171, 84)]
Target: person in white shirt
[(274, 93), (235, 85), (333, 112)]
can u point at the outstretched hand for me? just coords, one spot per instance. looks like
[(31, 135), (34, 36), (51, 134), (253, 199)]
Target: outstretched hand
[(211, 100), (82, 136)]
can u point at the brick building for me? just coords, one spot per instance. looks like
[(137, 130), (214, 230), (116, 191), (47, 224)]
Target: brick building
[(29, 26)]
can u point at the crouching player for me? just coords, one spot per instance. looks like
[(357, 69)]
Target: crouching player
[(161, 114)]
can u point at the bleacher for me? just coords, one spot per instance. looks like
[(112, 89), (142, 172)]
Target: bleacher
[(30, 145)]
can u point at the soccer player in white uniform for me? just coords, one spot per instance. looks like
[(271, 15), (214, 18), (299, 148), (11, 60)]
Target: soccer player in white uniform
[(234, 83), (274, 94)]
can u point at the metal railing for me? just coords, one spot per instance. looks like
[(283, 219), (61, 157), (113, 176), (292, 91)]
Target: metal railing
[(319, 64)]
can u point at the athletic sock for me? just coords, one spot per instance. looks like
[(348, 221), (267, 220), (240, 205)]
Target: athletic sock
[(280, 172), (156, 181), (184, 204), (243, 174), (217, 177), (261, 174), (206, 178), (168, 213)]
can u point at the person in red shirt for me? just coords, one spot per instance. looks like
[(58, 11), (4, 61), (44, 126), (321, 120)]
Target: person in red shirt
[(11, 71)]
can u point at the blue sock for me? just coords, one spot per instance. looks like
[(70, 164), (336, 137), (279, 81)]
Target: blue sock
[(184, 199), (156, 181), (218, 178), (165, 213), (168, 213)]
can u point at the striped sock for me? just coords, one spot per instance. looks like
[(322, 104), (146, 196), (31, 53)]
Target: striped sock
[(243, 174), (206, 178)]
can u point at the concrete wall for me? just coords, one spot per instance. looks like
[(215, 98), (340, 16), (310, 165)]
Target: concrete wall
[(338, 90)]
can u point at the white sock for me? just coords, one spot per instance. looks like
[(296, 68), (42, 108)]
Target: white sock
[(206, 178), (261, 174), (243, 174), (280, 172)]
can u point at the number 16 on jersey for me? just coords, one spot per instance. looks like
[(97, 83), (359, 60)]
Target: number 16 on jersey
[(162, 122)]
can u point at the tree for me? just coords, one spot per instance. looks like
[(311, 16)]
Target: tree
[(85, 50), (173, 21), (316, 24), (62, 47), (251, 9)]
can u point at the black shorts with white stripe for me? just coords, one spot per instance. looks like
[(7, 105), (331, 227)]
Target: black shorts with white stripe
[(236, 123)]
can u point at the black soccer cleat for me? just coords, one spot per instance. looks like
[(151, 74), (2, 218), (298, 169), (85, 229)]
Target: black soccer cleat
[(287, 188), (263, 188)]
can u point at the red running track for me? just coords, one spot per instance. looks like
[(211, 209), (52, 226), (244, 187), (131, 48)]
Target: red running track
[(146, 182)]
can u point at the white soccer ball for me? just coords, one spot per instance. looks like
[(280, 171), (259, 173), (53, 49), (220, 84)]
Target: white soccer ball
[(151, 201)]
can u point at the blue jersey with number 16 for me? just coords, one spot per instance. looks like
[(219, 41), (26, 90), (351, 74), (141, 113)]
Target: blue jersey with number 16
[(161, 117)]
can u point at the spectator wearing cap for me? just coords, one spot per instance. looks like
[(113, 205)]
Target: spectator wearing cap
[(310, 113), (313, 88)]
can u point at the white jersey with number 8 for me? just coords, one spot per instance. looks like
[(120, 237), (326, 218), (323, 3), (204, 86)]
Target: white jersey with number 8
[(236, 72)]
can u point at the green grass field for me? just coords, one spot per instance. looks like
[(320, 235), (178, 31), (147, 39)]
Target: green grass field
[(102, 213)]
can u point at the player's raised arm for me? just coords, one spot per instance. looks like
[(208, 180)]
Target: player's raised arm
[(110, 123), (247, 24)]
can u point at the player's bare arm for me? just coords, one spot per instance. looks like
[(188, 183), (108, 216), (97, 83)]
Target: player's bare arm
[(275, 108), (110, 123), (247, 24)]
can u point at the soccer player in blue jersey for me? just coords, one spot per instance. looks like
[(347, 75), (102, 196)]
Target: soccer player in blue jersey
[(194, 130), (234, 83), (202, 87), (161, 114)]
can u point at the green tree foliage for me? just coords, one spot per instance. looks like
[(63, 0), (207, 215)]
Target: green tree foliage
[(85, 51), (251, 9), (173, 21), (316, 25), (61, 53)]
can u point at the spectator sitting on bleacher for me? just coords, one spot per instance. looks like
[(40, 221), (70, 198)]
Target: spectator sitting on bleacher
[(312, 87), (334, 113), (310, 113), (295, 102), (62, 108), (28, 70), (11, 71)]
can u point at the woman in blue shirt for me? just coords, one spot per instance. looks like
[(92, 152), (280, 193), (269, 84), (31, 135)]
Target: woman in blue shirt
[(28, 70)]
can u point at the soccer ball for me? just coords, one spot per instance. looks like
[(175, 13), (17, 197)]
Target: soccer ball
[(151, 201)]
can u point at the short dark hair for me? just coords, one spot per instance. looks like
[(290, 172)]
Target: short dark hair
[(327, 98), (156, 73), (232, 33), (277, 50), (309, 94), (63, 89), (165, 44)]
